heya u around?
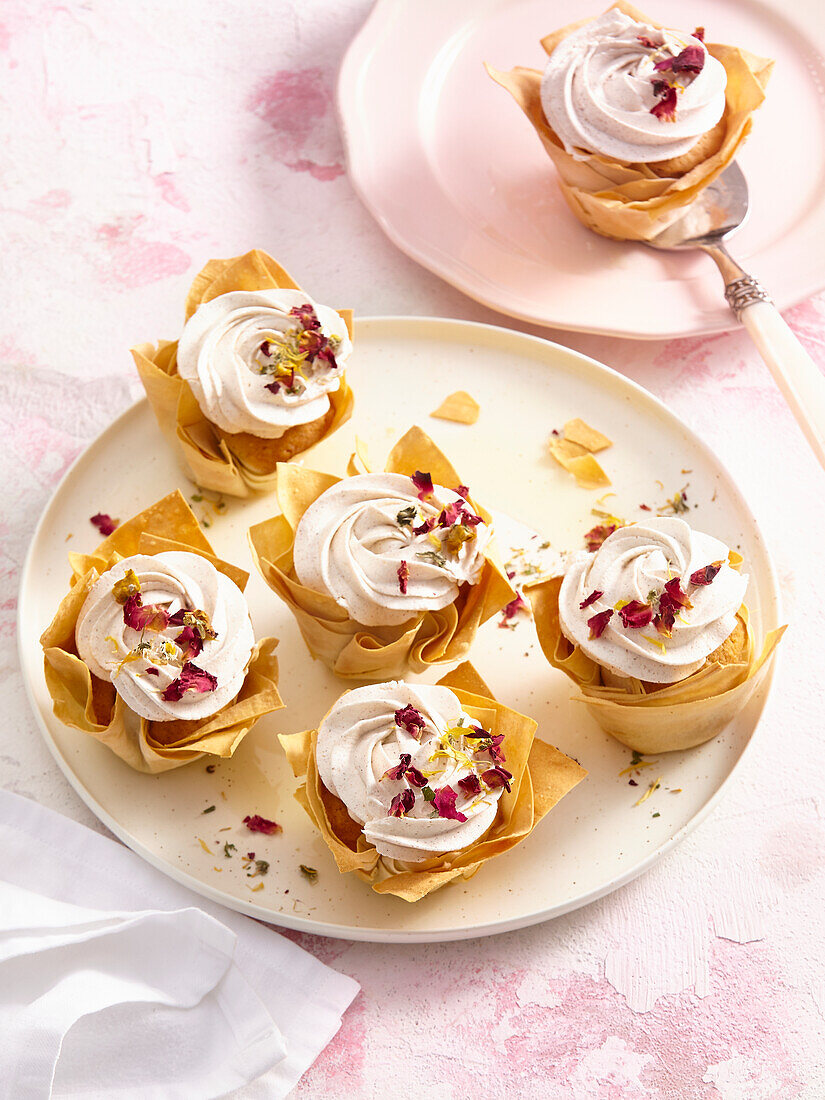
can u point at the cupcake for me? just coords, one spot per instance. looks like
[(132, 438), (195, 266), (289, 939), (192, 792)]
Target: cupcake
[(384, 572), (637, 117), (414, 785), (653, 629), (152, 651), (256, 378)]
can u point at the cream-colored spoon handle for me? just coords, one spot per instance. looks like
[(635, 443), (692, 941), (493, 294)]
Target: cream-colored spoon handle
[(795, 373), (799, 379)]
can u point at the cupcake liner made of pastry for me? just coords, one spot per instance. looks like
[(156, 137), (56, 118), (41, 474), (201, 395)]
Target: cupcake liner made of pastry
[(206, 455), (350, 649), (92, 705), (674, 716), (542, 776), (637, 201)]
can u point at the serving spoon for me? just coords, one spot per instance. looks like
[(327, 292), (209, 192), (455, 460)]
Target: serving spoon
[(720, 209)]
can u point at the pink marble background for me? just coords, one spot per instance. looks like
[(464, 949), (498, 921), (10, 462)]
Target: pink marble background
[(140, 140)]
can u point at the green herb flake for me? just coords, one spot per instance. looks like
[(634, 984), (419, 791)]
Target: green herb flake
[(262, 867), (309, 872), (433, 557), (657, 815), (429, 793), (197, 497), (228, 849), (210, 768), (208, 810), (406, 516)]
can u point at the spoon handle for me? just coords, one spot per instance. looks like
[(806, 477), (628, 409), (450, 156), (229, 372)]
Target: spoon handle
[(799, 379)]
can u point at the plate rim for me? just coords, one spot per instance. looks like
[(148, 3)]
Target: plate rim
[(298, 923), (348, 77)]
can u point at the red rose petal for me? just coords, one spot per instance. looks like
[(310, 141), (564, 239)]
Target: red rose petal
[(699, 33), (105, 524), (150, 617), (598, 622), (257, 824), (306, 316), (677, 597), (470, 785), (401, 804), (706, 574), (423, 484), (398, 771), (512, 609), (665, 109), (597, 535), (462, 491), (449, 515), (409, 719), (403, 574), (425, 527), (497, 777), (192, 679), (636, 614), (152, 671), (666, 617), (591, 599), (444, 803), (190, 642), (414, 776)]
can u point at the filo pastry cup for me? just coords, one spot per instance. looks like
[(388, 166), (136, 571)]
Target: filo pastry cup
[(235, 464), (637, 201), (350, 649), (656, 718), (87, 703), (541, 777)]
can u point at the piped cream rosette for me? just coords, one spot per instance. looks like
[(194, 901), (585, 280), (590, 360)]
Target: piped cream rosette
[(151, 652), (653, 630), (384, 573), (257, 376), (413, 786), (626, 172)]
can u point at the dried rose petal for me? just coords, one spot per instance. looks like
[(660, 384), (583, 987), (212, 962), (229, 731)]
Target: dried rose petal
[(425, 527), (636, 614), (591, 599), (470, 785), (706, 574), (152, 671), (648, 43), (401, 804), (273, 387), (423, 484), (307, 317), (470, 519), (190, 642), (150, 617), (409, 719), (398, 771), (497, 777), (665, 109), (257, 824), (104, 523), (598, 622), (690, 60), (596, 535), (699, 33), (266, 348), (449, 515), (677, 597), (512, 609), (444, 803), (462, 491), (403, 572), (666, 617), (191, 678), (414, 776)]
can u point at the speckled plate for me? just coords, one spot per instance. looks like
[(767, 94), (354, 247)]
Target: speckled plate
[(455, 176), (597, 838)]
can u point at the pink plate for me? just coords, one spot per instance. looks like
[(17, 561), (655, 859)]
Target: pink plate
[(456, 177)]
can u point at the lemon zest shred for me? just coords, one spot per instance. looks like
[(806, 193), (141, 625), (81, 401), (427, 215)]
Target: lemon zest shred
[(654, 786), (205, 846), (255, 889), (655, 641)]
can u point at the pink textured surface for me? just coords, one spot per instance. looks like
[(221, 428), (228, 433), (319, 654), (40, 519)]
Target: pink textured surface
[(129, 159)]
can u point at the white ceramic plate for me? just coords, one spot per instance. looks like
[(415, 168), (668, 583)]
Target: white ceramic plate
[(456, 177), (596, 839)]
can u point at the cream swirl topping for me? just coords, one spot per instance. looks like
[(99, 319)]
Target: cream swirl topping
[(436, 798), (634, 573), (383, 553), (216, 640), (600, 88), (263, 361)]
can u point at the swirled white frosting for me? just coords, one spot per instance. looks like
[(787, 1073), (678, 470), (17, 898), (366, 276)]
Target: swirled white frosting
[(597, 91), (359, 740), (219, 355), (176, 581), (634, 563), (349, 544)]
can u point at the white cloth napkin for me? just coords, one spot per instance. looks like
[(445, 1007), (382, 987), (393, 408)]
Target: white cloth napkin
[(116, 982)]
